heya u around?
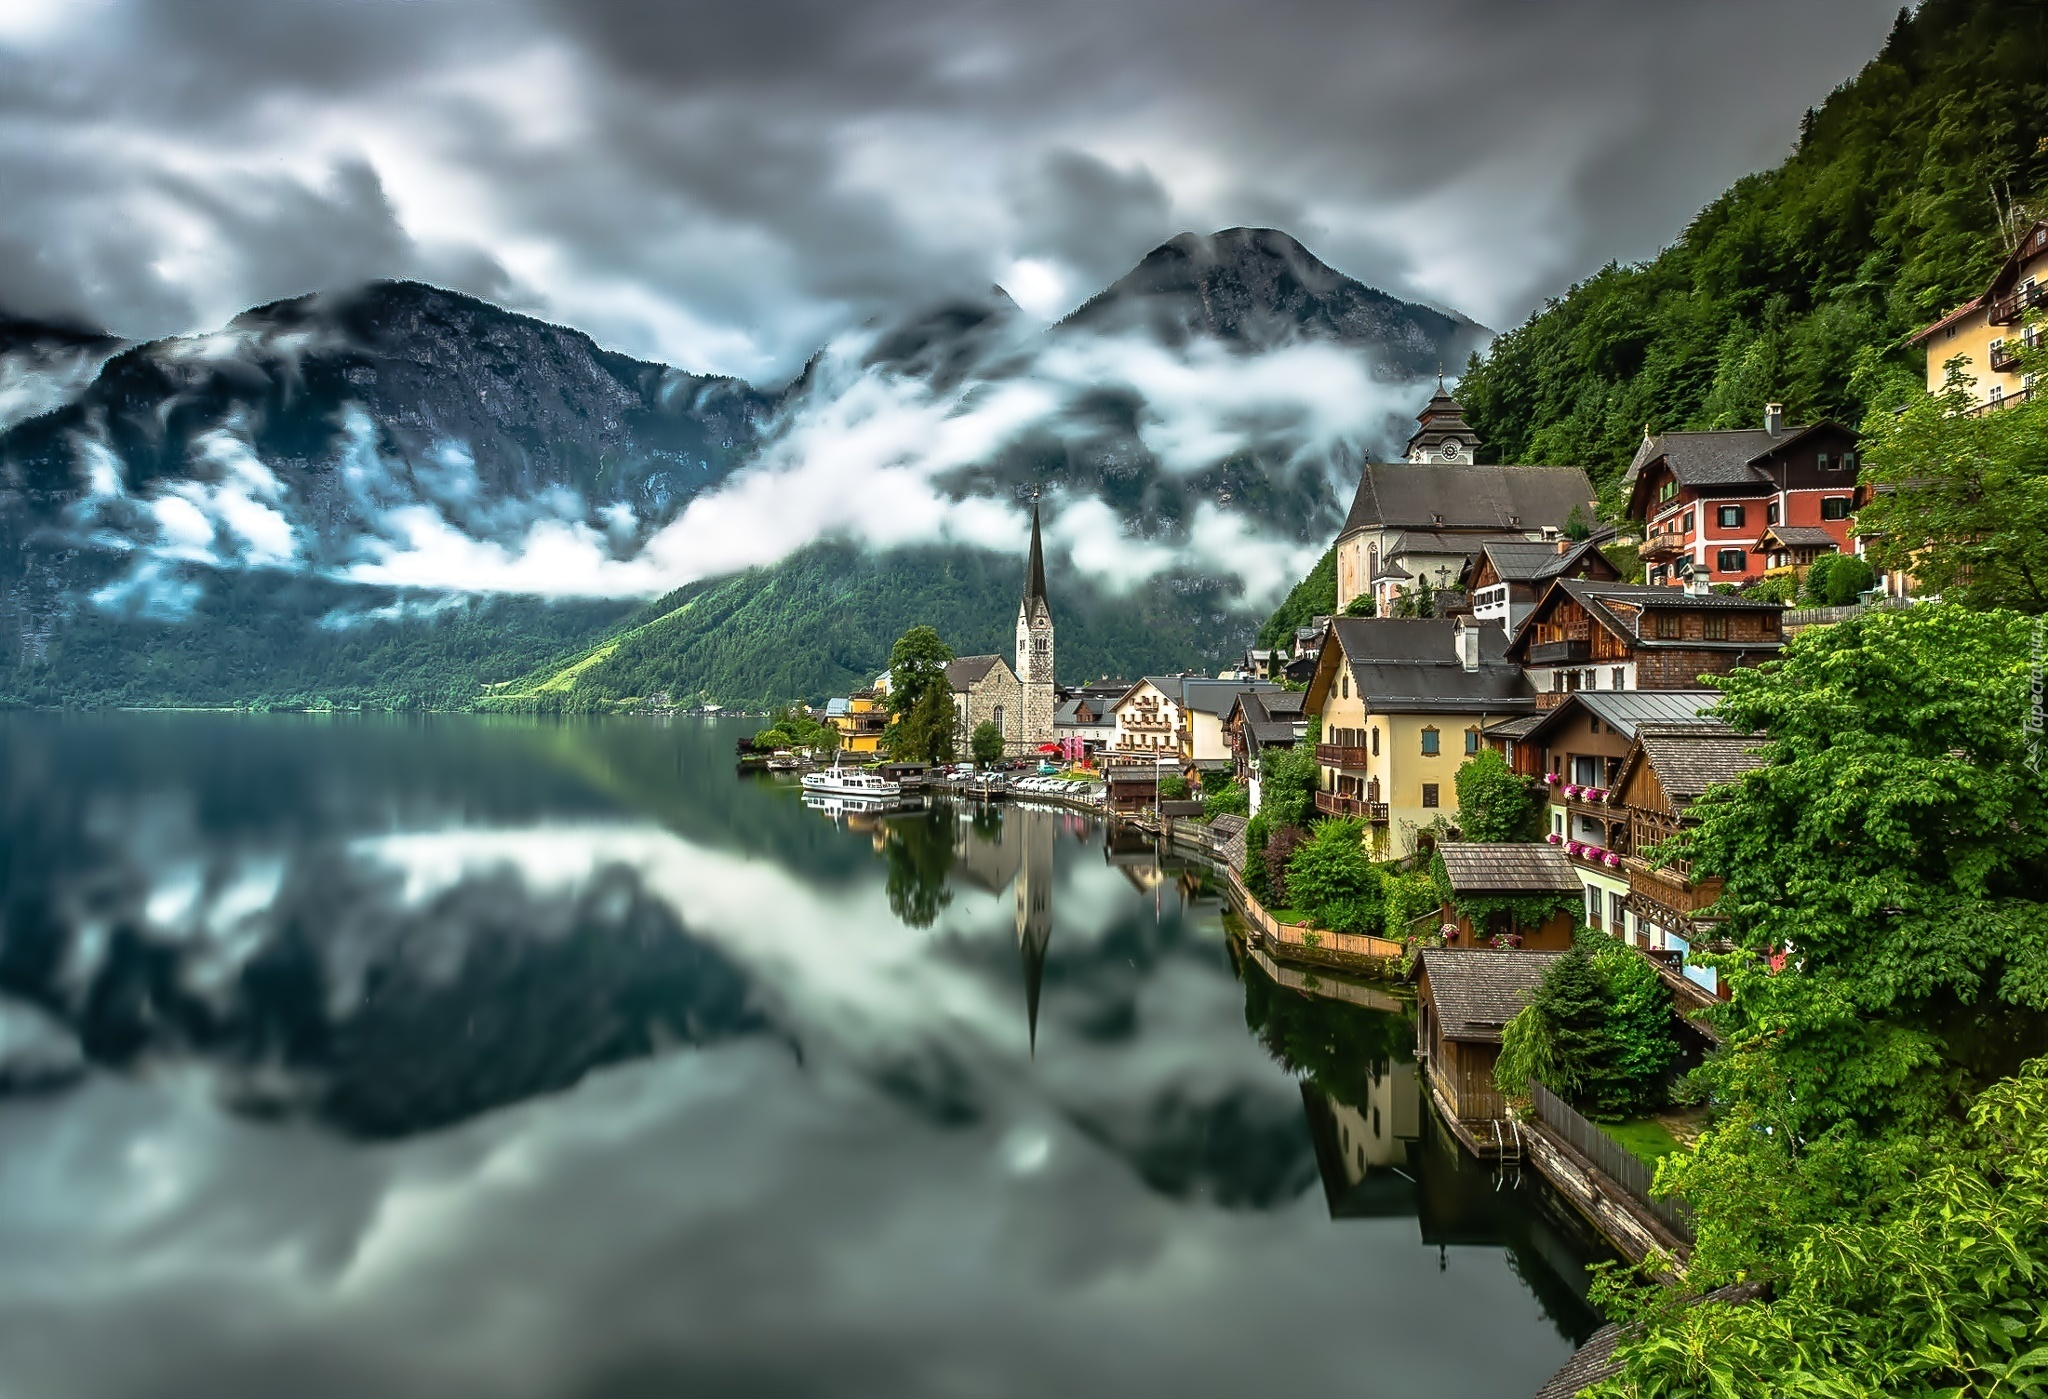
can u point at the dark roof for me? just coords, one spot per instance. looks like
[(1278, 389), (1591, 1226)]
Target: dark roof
[(1594, 1361), (1624, 710), (1476, 991), (1443, 416), (1411, 665), (1709, 458), (1534, 868), (1493, 499), (1517, 727), (1217, 696), (1283, 702), (1068, 713), (1595, 596), (1427, 541), (966, 671), (1951, 318), (1688, 760), (1532, 560), (1799, 537), (1267, 727)]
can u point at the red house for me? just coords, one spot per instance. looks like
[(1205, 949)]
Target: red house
[(1707, 497)]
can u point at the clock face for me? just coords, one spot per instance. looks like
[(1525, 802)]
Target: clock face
[(1449, 450)]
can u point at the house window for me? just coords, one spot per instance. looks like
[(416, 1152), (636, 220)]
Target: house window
[(1729, 516), (1668, 490), (1657, 574), (1471, 742), (1586, 771), (1835, 507), (1771, 513), (1375, 741), (1667, 626), (1620, 678), (1728, 560), (1714, 626), (1685, 522), (1592, 908), (1617, 911), (1429, 794), (999, 716), (1429, 746), (1825, 464), (1344, 685), (1770, 624)]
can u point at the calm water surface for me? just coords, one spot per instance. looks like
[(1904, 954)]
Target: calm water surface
[(456, 1057)]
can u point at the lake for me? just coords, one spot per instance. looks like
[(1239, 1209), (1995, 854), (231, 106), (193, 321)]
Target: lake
[(454, 1056)]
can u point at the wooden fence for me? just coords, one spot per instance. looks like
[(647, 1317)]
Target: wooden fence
[(1613, 1159), (1302, 936)]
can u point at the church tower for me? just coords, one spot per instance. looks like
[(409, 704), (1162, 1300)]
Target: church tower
[(1034, 649), (1442, 436)]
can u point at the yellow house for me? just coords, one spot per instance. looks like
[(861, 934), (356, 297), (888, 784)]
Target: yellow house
[(1402, 704), (1989, 332), (860, 719)]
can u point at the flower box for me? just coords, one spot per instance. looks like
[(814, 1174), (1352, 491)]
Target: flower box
[(1611, 860), (1552, 778), (1571, 789), (1554, 838)]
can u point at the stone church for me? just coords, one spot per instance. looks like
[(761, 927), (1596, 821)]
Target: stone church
[(1020, 702)]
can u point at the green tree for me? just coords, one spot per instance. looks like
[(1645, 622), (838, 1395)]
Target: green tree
[(1573, 1010), (1287, 780), (1961, 502), (985, 744), (1494, 804), (925, 734), (1314, 596), (1896, 842), (1575, 526), (1332, 878), (1229, 799), (1362, 606)]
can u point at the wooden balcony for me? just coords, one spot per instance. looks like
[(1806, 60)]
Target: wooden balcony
[(1670, 889), (1330, 804), (2005, 356), (2008, 310), (1560, 652), (1340, 755), (1659, 545)]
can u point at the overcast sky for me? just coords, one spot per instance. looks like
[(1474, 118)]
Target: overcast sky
[(723, 186)]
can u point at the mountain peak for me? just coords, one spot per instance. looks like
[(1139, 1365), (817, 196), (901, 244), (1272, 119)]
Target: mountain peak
[(1260, 287)]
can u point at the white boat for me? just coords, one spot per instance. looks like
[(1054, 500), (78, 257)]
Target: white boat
[(841, 781)]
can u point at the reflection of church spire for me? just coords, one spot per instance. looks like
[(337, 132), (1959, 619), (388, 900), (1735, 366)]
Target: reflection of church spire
[(1034, 908)]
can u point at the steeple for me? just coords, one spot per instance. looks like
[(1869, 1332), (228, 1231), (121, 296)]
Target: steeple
[(1441, 432), (1034, 572)]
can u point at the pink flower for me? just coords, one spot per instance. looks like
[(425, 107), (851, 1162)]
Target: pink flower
[(1571, 789), (1554, 838), (1552, 778), (1613, 860)]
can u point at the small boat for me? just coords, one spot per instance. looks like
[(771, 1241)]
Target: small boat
[(840, 780)]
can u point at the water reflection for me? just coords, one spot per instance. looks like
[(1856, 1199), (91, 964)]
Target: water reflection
[(444, 1057)]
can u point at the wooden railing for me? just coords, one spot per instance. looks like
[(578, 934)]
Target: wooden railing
[(1613, 1160), (1560, 652), (1332, 804), (1341, 755), (1301, 935)]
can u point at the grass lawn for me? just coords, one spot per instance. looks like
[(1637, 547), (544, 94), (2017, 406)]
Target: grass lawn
[(1644, 1138), (1288, 915)]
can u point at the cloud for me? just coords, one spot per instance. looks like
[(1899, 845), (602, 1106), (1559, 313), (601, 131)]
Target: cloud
[(727, 188)]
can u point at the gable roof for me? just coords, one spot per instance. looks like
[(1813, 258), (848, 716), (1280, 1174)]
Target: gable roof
[(1410, 665), (1493, 499), (1689, 759), (1727, 462), (1266, 724), (2032, 244), (1624, 711), (1532, 868), (965, 672), (1068, 715), (1595, 597), (1533, 560), (1207, 696), (1795, 537), (1477, 991)]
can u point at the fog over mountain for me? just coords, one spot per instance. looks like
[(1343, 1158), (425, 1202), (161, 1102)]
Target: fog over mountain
[(397, 449)]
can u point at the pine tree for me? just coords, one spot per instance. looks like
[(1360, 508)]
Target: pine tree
[(1573, 1006)]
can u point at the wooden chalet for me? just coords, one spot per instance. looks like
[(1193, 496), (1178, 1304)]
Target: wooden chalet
[(1464, 1000), (1506, 579), (1259, 722), (1793, 548), (1632, 636), (1509, 871), (1668, 768)]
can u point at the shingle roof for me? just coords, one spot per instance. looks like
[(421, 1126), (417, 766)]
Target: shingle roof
[(1477, 991), (1403, 495), (1594, 1361), (1534, 868), (1800, 537), (1517, 727), (1624, 710), (966, 671), (1283, 702), (1265, 726), (1217, 696), (1411, 665), (1532, 560), (1688, 760), (1068, 714), (1594, 597), (1426, 541), (1709, 458)]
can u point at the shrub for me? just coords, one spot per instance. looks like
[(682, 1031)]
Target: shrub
[(1279, 851), (1331, 877), (1173, 788), (1230, 799), (1405, 897), (985, 744), (1494, 803)]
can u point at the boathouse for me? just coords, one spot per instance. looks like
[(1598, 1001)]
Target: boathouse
[(1488, 877), (1465, 998)]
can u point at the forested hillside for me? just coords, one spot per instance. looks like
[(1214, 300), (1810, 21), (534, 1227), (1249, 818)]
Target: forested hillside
[(1799, 284)]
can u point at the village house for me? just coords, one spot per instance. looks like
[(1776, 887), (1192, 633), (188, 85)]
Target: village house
[(1426, 517), (1637, 636), (1506, 578), (1706, 498), (860, 719), (1262, 721), (1988, 334), (1464, 999), (1205, 705), (1668, 768), (1147, 720), (1501, 871), (1403, 703), (1261, 663), (1087, 718), (1577, 749)]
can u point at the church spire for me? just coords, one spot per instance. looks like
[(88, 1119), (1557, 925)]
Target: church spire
[(1034, 573)]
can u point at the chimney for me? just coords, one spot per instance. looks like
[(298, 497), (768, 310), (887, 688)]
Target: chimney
[(1468, 645), (1696, 583), (1774, 418)]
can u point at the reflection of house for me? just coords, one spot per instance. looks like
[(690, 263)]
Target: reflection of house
[(1403, 704), (986, 689), (860, 719), (1632, 636), (1989, 332), (1507, 577), (1666, 771), (1497, 873), (1707, 497), (1427, 516), (1364, 1150), (1464, 1000), (1578, 748)]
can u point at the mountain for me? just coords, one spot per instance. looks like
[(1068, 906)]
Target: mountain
[(396, 495), (1800, 283), (1258, 287)]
